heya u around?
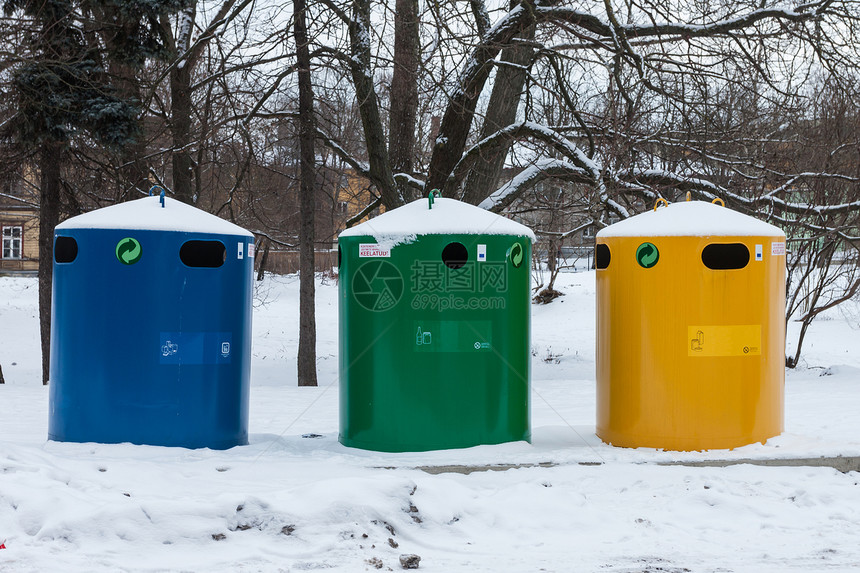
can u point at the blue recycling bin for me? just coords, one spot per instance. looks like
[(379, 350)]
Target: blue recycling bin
[(151, 327)]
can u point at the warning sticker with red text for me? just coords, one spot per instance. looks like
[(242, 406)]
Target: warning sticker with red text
[(373, 250), (777, 249)]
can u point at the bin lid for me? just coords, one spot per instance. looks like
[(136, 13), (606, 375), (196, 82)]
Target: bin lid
[(446, 217), (147, 214), (691, 219)]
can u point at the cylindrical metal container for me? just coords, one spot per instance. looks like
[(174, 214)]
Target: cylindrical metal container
[(434, 329), (690, 329), (151, 327)]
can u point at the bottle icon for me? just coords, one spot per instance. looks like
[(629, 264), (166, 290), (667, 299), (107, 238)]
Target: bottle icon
[(696, 343), (422, 337)]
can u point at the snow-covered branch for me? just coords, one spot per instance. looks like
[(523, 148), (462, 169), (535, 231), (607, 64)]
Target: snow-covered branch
[(518, 132), (360, 167), (410, 180), (605, 31), (20, 200), (531, 176), (710, 190), (559, 235), (482, 18)]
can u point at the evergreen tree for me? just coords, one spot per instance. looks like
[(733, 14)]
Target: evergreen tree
[(132, 32), (64, 92), (62, 89)]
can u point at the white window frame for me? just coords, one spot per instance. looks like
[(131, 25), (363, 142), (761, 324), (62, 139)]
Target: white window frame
[(12, 243)]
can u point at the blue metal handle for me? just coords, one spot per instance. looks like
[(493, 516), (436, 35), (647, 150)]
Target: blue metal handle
[(161, 195)]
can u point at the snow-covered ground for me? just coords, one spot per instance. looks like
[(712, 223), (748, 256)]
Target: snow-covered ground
[(288, 503)]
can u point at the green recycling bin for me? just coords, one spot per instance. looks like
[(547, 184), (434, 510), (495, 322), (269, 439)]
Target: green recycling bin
[(434, 329)]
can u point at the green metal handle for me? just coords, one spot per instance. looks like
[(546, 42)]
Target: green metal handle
[(435, 193)]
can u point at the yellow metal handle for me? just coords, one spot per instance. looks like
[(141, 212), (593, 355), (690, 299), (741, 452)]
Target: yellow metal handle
[(661, 200), (720, 201)]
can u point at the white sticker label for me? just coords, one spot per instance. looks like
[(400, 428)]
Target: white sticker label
[(482, 253), (372, 250), (777, 249), (250, 250), (758, 252), (241, 252)]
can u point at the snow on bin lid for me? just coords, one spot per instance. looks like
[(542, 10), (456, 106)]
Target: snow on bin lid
[(448, 216), (147, 214), (691, 219)]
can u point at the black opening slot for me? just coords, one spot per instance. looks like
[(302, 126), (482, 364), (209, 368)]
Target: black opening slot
[(211, 254), (602, 256), (65, 250), (455, 255), (726, 256)]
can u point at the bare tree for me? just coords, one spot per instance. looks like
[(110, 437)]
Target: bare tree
[(505, 98), (404, 90), (307, 365), (615, 78), (823, 272), (186, 55)]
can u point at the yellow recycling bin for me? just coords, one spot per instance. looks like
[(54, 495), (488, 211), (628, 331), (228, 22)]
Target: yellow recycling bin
[(690, 329)]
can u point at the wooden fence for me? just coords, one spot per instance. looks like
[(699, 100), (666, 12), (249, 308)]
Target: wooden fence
[(287, 262)]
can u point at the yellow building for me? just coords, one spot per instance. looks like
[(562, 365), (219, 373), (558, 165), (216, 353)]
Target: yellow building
[(19, 237), (353, 194)]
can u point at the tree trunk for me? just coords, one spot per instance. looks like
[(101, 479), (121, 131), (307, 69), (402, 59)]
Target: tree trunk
[(460, 112), (307, 358), (404, 90), (181, 104), (49, 216), (501, 112), (792, 361), (115, 30), (133, 172), (264, 259), (180, 127), (368, 106)]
